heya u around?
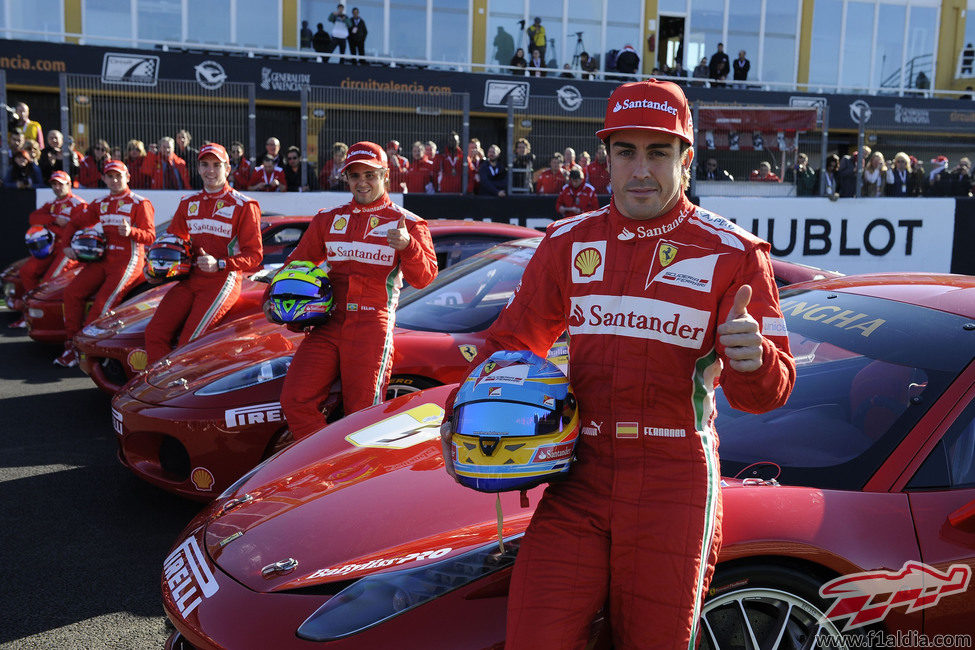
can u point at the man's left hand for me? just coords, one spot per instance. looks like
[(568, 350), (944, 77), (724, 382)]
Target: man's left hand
[(740, 334), (398, 237), (206, 262)]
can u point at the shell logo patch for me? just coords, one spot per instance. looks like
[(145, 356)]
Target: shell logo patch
[(588, 261), (193, 208), (340, 224), (137, 360), (667, 254), (202, 479), (468, 351)]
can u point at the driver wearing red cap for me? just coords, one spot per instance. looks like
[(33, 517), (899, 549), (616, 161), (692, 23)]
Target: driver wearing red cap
[(224, 227), (368, 246), (662, 301), (128, 223)]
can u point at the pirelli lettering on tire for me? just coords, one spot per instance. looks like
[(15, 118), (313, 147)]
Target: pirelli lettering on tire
[(643, 318), (257, 414)]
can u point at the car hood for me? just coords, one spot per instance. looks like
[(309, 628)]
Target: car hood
[(13, 269), (364, 495), (131, 317), (53, 289)]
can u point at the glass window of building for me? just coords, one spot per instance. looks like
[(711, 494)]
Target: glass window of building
[(550, 11), (110, 19), (371, 12), (855, 73), (259, 23), (160, 20), (623, 21), (743, 24), (779, 49), (209, 23), (890, 46), (922, 30), (37, 16), (408, 40), (824, 52), (452, 32), (505, 34), (672, 6), (582, 35), (706, 29)]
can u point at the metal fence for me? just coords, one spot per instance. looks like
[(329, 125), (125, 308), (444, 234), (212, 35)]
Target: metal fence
[(93, 109), (4, 149)]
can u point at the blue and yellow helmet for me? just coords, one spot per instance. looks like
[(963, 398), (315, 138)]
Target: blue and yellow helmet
[(301, 294), (515, 423)]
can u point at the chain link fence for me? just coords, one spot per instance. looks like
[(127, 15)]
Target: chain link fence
[(93, 109)]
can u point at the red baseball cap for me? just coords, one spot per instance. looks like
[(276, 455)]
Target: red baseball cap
[(214, 149), (60, 176), (651, 105), (115, 166), (367, 153)]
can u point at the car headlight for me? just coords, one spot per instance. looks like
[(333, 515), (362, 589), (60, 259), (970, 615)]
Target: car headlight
[(376, 598), (94, 330), (33, 312), (259, 373)]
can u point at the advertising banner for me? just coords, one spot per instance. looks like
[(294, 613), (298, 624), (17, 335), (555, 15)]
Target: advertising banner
[(849, 235)]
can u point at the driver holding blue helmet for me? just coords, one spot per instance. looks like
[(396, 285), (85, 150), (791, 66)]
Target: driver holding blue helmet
[(663, 301)]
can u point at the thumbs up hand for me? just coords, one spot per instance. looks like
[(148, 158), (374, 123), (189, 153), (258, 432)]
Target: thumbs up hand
[(740, 335), (398, 237), (206, 262)]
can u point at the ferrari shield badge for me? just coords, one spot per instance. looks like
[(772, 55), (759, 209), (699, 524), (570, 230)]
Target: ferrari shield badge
[(468, 351)]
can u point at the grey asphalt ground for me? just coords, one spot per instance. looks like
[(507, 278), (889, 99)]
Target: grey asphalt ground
[(82, 540)]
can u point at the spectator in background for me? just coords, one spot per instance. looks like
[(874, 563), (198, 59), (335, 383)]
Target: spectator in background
[(961, 178), (504, 47), (628, 61), (306, 35), (15, 141), (900, 177), (357, 37), (523, 166), (536, 67), (474, 157), (53, 159), (920, 176), (430, 150), (939, 178), (588, 66), (874, 175), (967, 58), (922, 82), (241, 169), (846, 174), (165, 168), (830, 170), (492, 174), (340, 30), (32, 129), (741, 66), (135, 158), (805, 177), (764, 174), (292, 172), (584, 160), (719, 66), (268, 177), (24, 174), (576, 197), (448, 166), (598, 172), (710, 171), (398, 167), (273, 147), (90, 174), (518, 61), (117, 155), (553, 179), (567, 72), (537, 40), (186, 152), (421, 176), (701, 71), (331, 177), (568, 160), (321, 41)]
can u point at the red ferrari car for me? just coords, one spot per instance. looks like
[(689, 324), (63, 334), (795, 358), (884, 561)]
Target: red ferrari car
[(213, 405), (113, 348), (45, 305), (849, 513), (13, 288)]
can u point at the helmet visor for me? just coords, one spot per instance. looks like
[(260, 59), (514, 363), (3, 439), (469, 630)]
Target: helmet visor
[(512, 418), (165, 255), (295, 289)]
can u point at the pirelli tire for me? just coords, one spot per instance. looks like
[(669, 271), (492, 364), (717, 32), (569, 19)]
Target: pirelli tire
[(752, 607), (403, 384)]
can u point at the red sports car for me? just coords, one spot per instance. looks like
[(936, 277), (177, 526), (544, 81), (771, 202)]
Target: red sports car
[(853, 510), (45, 304), (13, 288), (113, 348), (213, 405)]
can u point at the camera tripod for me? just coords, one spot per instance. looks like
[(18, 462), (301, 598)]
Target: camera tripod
[(580, 48)]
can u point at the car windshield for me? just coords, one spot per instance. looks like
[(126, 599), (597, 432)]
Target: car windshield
[(468, 296), (867, 370)]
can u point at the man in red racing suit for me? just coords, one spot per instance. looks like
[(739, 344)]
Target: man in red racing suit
[(369, 246), (224, 227), (661, 300), (53, 215), (128, 223)]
